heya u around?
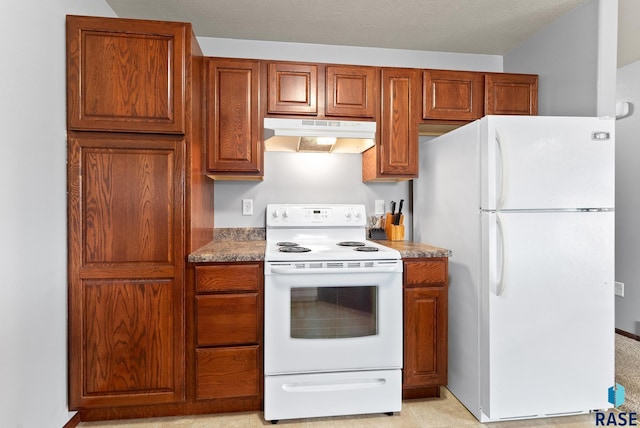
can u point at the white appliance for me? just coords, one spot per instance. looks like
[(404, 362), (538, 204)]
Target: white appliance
[(318, 135), (332, 315), (526, 204)]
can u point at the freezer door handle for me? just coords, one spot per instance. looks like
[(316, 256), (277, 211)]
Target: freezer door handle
[(500, 282), (502, 164)]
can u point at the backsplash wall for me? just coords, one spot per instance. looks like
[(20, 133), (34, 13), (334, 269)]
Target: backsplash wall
[(305, 178)]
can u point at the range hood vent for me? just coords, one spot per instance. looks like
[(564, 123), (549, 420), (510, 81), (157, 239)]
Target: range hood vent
[(303, 135)]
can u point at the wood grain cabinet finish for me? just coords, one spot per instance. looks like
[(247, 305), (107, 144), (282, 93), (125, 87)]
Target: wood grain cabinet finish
[(395, 157), (425, 327), (138, 202), (351, 91), (126, 75), (292, 88), (126, 341), (233, 121), (228, 277), (507, 93), (225, 319), (231, 372), (323, 91), (228, 346), (452, 95)]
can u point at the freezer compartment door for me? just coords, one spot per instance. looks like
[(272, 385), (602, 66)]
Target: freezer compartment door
[(546, 162), (547, 345)]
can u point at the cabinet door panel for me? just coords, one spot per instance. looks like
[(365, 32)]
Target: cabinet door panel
[(128, 338), (233, 126), (511, 94), (398, 124), (228, 372), (227, 319), (129, 198), (126, 332), (452, 95), (126, 75), (425, 360), (293, 88), (351, 91), (125, 204)]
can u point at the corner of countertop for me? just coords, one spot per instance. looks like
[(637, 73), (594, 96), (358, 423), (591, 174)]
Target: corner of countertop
[(414, 250)]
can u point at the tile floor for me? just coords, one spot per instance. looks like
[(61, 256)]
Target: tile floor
[(443, 412)]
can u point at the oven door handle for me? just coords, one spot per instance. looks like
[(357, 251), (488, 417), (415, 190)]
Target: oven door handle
[(304, 271)]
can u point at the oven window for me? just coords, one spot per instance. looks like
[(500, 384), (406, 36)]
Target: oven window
[(334, 312)]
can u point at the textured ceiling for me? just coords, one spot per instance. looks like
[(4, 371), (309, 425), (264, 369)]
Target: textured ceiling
[(464, 26)]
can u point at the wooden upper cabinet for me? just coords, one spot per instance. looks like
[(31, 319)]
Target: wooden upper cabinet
[(126, 75), (511, 94), (351, 91), (293, 88), (395, 157), (321, 90), (233, 121), (452, 95)]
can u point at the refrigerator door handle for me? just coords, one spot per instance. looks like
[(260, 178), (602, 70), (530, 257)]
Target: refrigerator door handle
[(502, 173), (500, 283)]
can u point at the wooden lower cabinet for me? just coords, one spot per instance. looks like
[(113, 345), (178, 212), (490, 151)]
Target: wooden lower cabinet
[(425, 327), (126, 277), (228, 333)]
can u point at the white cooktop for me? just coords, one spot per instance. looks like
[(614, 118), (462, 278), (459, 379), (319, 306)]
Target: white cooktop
[(319, 228)]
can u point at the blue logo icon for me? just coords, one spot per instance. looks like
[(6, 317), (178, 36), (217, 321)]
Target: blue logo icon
[(616, 395), (616, 418)]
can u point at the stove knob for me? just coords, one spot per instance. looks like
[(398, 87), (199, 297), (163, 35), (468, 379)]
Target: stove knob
[(347, 214), (357, 214), (276, 213), (285, 214)]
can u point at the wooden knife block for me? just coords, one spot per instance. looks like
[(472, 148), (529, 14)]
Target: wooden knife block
[(395, 232)]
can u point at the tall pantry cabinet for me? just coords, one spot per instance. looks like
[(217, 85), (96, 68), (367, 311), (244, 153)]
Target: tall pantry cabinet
[(138, 202)]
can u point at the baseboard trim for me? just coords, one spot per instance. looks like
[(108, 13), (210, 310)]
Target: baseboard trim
[(73, 422), (629, 335)]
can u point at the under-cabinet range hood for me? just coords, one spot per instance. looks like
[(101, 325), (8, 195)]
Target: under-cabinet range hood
[(320, 136)]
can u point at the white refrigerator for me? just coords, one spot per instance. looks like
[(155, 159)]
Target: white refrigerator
[(526, 204)]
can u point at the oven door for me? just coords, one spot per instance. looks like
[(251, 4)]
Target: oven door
[(326, 319)]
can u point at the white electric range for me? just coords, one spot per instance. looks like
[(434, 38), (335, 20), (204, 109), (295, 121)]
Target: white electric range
[(333, 315)]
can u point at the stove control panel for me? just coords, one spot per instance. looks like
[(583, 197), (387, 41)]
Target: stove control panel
[(305, 215)]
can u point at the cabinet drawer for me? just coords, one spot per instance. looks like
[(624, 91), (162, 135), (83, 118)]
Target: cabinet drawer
[(227, 372), (425, 272), (227, 319), (225, 277)]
